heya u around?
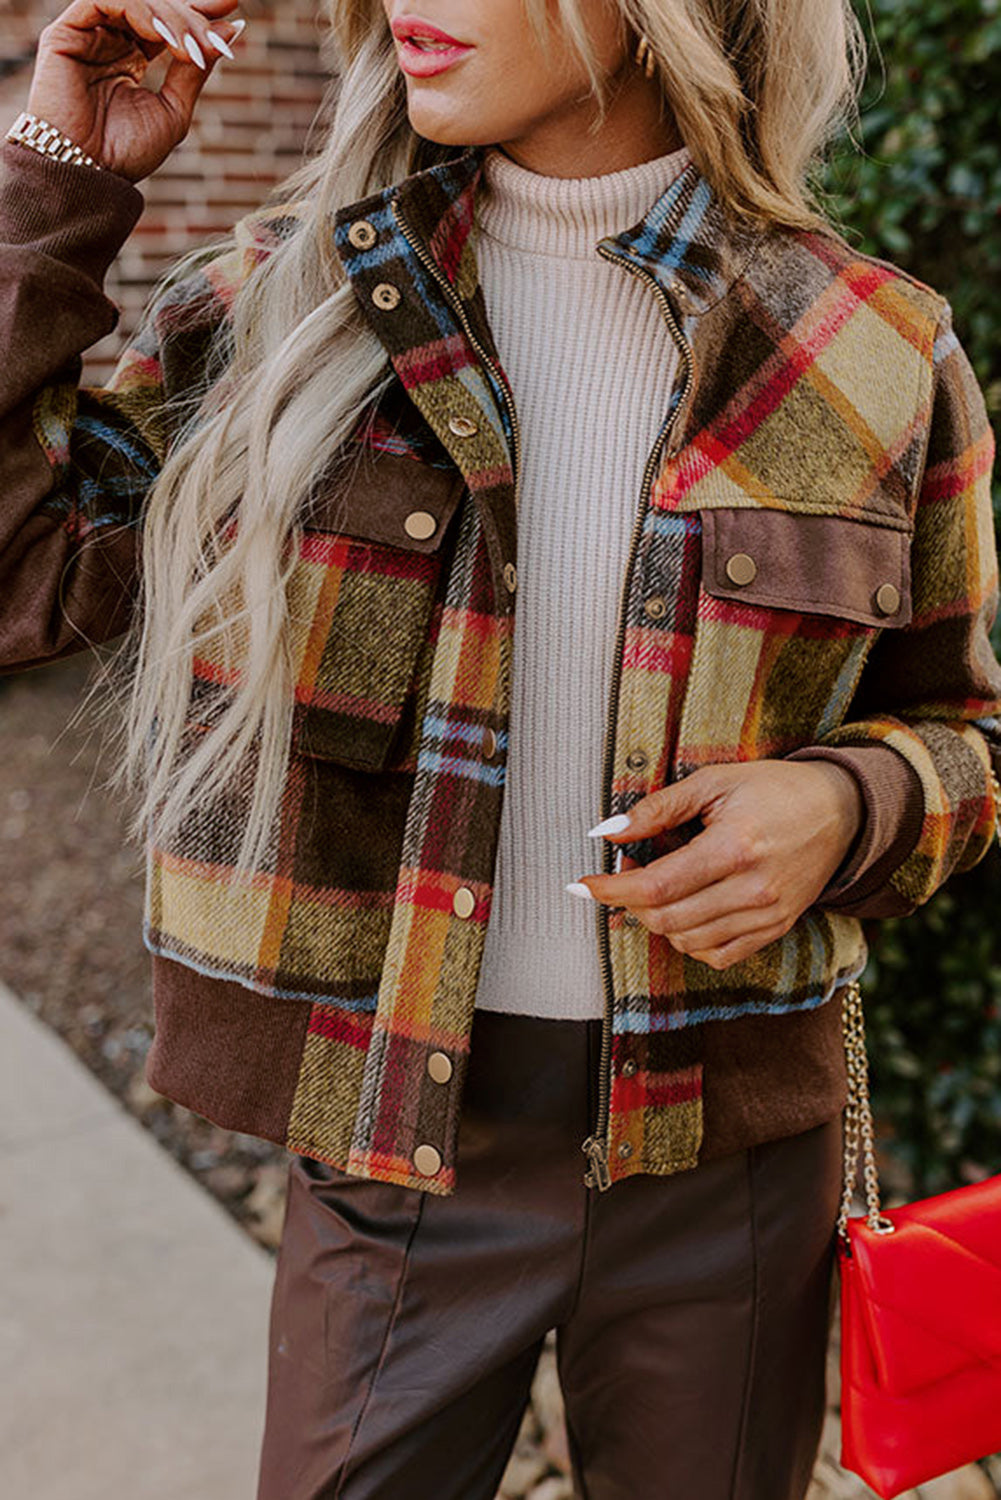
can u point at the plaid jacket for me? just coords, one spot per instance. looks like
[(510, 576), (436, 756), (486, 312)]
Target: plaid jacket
[(816, 513)]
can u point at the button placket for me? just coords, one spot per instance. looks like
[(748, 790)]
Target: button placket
[(439, 1066), (386, 295), (427, 1160), (464, 902)]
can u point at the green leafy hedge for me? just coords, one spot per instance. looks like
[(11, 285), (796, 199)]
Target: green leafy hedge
[(926, 193)]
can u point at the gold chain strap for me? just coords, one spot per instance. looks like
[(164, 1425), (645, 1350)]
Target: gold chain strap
[(858, 1119), (858, 1131)]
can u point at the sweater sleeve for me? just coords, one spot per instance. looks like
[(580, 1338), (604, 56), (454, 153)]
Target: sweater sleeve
[(924, 739), (75, 463)]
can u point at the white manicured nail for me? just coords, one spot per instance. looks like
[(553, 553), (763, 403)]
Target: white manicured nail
[(578, 888), (193, 50), (219, 44), (618, 860), (617, 824), (165, 32), (239, 24)]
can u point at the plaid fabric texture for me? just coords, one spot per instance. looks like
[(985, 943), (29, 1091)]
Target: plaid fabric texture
[(826, 384)]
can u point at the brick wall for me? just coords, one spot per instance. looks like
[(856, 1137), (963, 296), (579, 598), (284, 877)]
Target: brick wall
[(249, 131)]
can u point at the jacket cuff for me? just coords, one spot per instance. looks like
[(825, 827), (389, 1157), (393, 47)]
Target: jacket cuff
[(79, 215), (893, 817)]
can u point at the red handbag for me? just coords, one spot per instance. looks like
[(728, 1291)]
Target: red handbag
[(920, 1313)]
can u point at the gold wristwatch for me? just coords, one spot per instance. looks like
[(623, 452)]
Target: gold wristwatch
[(46, 139)]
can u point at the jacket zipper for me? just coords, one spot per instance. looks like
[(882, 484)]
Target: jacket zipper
[(597, 1145), (454, 301)]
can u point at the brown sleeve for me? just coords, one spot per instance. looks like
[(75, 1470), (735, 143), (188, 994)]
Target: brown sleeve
[(893, 812), (73, 467)]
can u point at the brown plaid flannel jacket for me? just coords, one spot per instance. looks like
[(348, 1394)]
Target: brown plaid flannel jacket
[(814, 520)]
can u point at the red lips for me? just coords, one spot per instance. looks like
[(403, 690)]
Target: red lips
[(404, 27), (425, 50)]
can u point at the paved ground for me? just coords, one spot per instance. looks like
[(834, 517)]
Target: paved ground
[(115, 1266)]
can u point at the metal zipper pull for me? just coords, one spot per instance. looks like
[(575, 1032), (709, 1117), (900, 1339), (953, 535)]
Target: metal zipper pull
[(597, 1174)]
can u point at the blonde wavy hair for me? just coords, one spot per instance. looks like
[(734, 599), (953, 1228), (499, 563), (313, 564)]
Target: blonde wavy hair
[(757, 88)]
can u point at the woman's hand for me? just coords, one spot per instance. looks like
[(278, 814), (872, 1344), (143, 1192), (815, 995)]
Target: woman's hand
[(89, 68), (775, 832)]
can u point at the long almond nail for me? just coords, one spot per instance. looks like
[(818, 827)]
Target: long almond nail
[(578, 888), (238, 25), (219, 44), (165, 32), (617, 824), (194, 51)]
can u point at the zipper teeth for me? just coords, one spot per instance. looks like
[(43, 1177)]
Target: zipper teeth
[(601, 1125), (455, 302)]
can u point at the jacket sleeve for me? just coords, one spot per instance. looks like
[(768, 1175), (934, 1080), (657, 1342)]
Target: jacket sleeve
[(924, 735), (75, 463)]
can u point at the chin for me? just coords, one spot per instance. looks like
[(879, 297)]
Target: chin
[(450, 127)]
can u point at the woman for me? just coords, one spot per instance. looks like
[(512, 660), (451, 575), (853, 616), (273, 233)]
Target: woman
[(549, 318)]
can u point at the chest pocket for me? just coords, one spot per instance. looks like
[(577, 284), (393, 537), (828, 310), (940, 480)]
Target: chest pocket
[(825, 565), (789, 606), (361, 596)]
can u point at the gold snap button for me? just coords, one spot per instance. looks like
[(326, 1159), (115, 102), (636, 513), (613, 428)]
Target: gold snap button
[(625, 1149), (420, 524), (362, 234), (655, 606), (637, 759), (386, 295), (427, 1160), (464, 902), (462, 426), (628, 1068), (741, 569), (887, 599), (489, 744), (510, 577), (440, 1067)]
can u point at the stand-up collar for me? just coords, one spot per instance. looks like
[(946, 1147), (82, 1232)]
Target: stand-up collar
[(687, 239)]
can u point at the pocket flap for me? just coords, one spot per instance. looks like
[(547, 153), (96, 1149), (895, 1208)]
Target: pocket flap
[(826, 565), (388, 498)]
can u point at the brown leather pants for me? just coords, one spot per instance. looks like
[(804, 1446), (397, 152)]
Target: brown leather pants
[(691, 1311)]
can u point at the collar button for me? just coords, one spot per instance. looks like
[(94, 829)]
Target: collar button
[(463, 426), (362, 234)]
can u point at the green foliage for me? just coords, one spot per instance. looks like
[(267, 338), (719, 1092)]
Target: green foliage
[(925, 190), (925, 193), (933, 1013)]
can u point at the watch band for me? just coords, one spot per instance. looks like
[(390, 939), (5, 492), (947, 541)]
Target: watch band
[(29, 130)]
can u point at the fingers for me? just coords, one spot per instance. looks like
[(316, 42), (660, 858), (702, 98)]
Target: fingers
[(740, 949), (753, 894), (709, 857), (739, 923), (669, 806), (185, 29), (190, 34)]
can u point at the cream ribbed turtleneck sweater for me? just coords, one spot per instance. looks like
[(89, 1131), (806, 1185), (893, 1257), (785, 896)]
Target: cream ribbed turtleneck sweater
[(591, 366)]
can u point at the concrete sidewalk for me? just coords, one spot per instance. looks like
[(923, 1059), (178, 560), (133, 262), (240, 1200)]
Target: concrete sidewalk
[(133, 1310)]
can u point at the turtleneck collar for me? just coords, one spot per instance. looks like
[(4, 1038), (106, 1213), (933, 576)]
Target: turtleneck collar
[(566, 216)]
